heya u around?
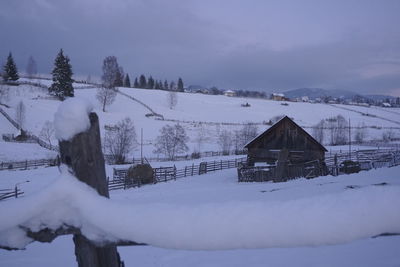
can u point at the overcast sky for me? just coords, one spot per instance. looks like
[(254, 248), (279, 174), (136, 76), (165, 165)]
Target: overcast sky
[(259, 44)]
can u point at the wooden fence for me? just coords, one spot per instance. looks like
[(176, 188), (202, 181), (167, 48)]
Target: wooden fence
[(27, 164), (362, 159), (164, 174), (10, 193)]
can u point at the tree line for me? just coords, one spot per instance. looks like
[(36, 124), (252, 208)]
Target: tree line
[(112, 76)]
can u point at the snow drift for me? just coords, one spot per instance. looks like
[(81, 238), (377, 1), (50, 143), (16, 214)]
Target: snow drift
[(328, 219)]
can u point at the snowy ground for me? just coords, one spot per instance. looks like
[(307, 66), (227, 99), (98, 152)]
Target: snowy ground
[(200, 110), (220, 189)]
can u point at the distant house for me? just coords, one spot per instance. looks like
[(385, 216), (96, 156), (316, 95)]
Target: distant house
[(229, 93), (286, 144), (278, 97), (386, 105)]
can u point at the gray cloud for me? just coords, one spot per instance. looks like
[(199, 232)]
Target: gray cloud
[(268, 45)]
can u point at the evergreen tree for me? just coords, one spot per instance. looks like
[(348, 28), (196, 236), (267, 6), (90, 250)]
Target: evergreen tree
[(160, 85), (166, 85), (172, 86), (127, 81), (136, 83), (180, 85), (142, 81), (119, 79), (150, 83), (62, 77), (10, 69)]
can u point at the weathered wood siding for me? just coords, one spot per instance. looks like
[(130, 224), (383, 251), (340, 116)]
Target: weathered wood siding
[(285, 135)]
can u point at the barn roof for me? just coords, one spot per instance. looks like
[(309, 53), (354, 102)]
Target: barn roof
[(273, 127)]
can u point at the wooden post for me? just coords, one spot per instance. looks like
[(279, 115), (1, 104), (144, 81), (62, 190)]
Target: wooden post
[(84, 156)]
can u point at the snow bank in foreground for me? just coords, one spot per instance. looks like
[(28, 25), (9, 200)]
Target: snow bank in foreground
[(72, 118), (329, 219)]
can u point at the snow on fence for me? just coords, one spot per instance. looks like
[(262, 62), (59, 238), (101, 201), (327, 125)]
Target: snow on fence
[(164, 174), (110, 159), (27, 164), (30, 136)]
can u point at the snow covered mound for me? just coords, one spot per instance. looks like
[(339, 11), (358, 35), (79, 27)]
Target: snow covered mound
[(309, 221), (72, 118)]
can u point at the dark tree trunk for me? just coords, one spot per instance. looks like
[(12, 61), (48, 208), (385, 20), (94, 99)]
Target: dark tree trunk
[(84, 156)]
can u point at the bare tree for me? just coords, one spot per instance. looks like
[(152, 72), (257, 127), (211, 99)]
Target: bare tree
[(120, 139), (248, 132), (3, 93), (111, 72), (31, 67), (110, 78), (201, 136), (171, 141), (106, 96), (225, 141), (388, 135), (47, 132), (318, 131), (360, 133), (20, 114), (338, 130), (172, 99)]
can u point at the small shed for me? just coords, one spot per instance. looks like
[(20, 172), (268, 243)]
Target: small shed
[(286, 146)]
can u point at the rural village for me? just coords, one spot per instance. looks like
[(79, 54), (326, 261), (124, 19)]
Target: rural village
[(113, 170)]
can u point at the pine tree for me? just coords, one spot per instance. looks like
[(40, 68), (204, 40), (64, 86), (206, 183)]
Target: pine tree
[(10, 69), (119, 79), (150, 83), (180, 85), (166, 85), (127, 81), (172, 86), (160, 85), (62, 77), (136, 83), (142, 82)]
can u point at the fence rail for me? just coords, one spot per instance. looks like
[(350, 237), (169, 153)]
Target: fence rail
[(335, 164), (164, 174), (27, 164), (10, 193)]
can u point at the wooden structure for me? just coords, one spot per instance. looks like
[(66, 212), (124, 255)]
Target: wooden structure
[(283, 146)]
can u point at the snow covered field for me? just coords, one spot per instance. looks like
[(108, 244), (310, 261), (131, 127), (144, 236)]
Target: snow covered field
[(300, 222), (200, 114)]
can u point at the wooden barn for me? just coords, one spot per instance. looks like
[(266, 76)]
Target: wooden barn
[(288, 151)]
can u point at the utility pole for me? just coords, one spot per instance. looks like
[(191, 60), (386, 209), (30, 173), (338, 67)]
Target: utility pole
[(349, 140), (141, 145)]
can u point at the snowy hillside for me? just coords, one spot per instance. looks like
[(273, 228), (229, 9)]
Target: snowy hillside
[(198, 113)]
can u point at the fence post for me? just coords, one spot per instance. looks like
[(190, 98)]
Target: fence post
[(16, 191), (185, 170), (26, 164), (83, 154), (174, 172), (192, 168), (221, 164)]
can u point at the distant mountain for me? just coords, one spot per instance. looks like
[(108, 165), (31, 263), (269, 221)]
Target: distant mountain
[(380, 97), (314, 93)]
